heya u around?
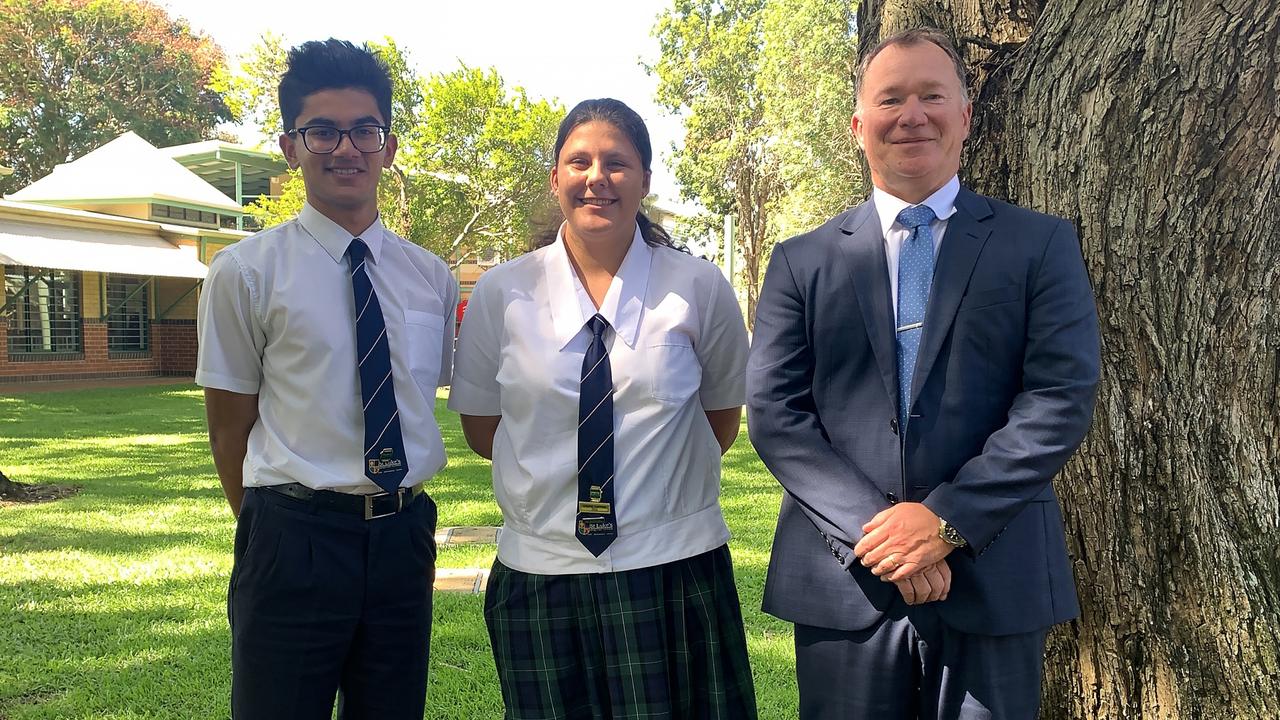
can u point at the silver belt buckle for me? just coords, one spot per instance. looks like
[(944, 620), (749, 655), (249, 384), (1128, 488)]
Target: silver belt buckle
[(368, 505)]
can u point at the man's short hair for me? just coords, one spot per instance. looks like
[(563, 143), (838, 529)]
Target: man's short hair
[(332, 65), (914, 36)]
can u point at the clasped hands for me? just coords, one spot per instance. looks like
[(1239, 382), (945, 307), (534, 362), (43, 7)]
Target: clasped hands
[(902, 546)]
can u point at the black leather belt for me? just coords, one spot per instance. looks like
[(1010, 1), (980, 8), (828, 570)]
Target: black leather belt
[(370, 507)]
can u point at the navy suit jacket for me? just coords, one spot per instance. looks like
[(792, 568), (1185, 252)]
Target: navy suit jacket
[(1002, 395)]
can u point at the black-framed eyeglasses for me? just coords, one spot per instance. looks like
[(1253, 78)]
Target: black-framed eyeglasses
[(323, 139)]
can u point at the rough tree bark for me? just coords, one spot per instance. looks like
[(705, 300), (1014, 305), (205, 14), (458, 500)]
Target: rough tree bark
[(1153, 125)]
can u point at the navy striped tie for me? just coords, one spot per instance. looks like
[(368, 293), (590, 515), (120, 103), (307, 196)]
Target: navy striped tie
[(384, 458), (597, 524), (915, 275)]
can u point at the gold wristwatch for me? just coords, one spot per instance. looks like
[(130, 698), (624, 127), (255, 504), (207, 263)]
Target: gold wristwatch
[(950, 535)]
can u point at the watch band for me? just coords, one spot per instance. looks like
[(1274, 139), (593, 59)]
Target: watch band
[(950, 535)]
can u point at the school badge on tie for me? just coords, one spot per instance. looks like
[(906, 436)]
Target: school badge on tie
[(385, 461)]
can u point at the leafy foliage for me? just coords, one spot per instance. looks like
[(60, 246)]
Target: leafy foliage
[(75, 74), (484, 154), (806, 78), (708, 70), (251, 93), (766, 94)]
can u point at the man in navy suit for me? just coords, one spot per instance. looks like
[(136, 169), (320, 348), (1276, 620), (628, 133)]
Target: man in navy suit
[(923, 365)]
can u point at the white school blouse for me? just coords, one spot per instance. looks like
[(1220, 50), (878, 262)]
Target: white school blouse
[(678, 348), (277, 319)]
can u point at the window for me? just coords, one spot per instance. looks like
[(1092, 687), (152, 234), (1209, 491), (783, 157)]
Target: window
[(172, 212), (128, 322), (43, 308)]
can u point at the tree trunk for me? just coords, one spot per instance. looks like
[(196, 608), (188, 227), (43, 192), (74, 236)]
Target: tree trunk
[(7, 486), (1154, 126)]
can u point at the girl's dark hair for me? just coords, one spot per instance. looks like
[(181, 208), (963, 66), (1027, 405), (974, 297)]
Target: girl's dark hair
[(332, 65), (617, 114)]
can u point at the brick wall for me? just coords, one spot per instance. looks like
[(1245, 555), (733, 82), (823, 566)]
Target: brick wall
[(173, 352), (174, 344)]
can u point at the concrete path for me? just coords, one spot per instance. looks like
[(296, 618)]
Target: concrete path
[(449, 536), (471, 581), (464, 580)]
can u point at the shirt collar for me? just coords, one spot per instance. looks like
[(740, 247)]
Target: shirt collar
[(623, 304), (334, 239), (942, 202)]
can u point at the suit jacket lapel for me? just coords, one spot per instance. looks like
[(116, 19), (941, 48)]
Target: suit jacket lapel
[(863, 249), (961, 245)]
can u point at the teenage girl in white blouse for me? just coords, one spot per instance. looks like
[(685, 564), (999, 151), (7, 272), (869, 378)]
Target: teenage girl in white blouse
[(652, 626)]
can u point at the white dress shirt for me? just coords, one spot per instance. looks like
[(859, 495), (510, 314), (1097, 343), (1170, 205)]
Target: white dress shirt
[(277, 318), (678, 348), (943, 204)]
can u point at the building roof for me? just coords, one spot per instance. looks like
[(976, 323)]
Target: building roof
[(127, 169), (64, 239), (215, 162)]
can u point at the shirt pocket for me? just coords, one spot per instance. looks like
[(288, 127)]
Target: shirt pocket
[(425, 331), (674, 370)]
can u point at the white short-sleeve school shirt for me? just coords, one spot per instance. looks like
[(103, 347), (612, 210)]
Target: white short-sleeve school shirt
[(277, 319), (677, 349)]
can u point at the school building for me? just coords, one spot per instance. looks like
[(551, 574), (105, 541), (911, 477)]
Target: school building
[(103, 258)]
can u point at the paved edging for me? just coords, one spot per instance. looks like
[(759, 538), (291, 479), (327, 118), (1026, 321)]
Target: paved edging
[(470, 581), (450, 536)]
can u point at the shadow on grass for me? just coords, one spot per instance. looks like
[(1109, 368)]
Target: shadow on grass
[(114, 600), (102, 542), (158, 648)]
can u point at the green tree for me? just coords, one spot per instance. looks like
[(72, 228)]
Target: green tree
[(483, 151), (708, 71), (766, 92), (250, 92), (806, 80), (74, 74)]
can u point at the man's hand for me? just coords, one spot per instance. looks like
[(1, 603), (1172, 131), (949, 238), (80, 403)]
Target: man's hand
[(931, 585), (901, 542)]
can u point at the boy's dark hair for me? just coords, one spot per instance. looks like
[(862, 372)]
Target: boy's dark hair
[(332, 65)]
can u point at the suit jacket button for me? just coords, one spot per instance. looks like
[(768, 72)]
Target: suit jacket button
[(893, 499)]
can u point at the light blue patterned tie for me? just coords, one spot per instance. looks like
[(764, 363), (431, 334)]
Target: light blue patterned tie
[(915, 275), (384, 455)]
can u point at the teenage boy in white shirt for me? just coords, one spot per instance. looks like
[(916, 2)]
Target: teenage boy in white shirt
[(322, 342)]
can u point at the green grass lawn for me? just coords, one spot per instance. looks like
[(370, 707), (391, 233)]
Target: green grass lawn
[(113, 602)]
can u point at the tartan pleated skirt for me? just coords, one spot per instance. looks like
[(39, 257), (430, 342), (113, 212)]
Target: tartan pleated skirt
[(659, 643)]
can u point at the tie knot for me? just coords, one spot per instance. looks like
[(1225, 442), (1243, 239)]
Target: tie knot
[(357, 250), (914, 217), (597, 325)]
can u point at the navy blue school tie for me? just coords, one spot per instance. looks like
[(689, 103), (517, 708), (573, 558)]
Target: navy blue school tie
[(384, 458), (596, 525), (915, 275)]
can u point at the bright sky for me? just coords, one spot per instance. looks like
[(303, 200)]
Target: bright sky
[(570, 51)]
